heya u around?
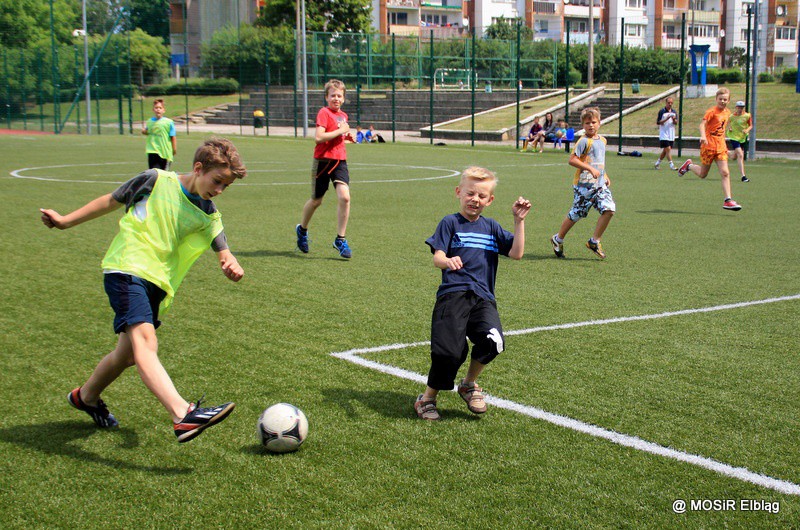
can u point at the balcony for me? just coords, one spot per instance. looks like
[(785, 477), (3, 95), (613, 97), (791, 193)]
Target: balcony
[(445, 6), (545, 8), (703, 17), (402, 4)]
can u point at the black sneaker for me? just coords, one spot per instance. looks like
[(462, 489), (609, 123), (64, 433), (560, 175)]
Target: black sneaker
[(100, 414), (745, 179), (199, 419), (558, 248)]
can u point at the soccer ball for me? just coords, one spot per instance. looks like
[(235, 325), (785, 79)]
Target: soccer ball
[(559, 134), (282, 428)]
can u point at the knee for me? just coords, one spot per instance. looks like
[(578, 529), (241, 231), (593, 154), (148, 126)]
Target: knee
[(344, 199)]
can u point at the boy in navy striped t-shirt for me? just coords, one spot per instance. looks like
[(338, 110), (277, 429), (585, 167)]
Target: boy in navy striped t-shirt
[(466, 246)]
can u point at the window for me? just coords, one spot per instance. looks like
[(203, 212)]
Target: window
[(633, 30), (670, 31), (636, 4), (785, 33), (746, 34), (541, 26), (399, 19), (669, 4)]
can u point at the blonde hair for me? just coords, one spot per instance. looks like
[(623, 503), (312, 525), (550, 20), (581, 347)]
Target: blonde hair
[(478, 174), (591, 112), (334, 83), (220, 152), (722, 90)]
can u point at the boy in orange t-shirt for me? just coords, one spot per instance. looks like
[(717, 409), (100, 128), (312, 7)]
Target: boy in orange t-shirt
[(713, 147)]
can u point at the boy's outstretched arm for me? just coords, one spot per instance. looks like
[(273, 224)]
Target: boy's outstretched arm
[(230, 265), (92, 210), (520, 210)]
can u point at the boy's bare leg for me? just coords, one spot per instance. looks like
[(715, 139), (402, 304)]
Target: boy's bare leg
[(725, 176), (701, 170), (738, 154), (668, 154), (602, 224), (474, 370), (107, 370), (343, 211), (566, 225), (309, 208), (155, 377), (429, 394)]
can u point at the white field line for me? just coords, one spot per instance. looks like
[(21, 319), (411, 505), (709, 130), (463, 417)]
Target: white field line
[(625, 440)]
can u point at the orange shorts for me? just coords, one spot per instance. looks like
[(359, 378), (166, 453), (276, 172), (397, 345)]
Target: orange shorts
[(709, 155)]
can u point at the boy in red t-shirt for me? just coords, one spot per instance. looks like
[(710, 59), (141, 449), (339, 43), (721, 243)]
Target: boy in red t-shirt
[(330, 165), (713, 147)]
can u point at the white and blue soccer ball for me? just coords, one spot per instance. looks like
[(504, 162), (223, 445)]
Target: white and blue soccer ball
[(282, 428)]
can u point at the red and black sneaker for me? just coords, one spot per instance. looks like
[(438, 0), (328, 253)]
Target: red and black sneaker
[(100, 414), (199, 419)]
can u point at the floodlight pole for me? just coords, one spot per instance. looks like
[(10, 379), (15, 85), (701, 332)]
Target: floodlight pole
[(751, 144)]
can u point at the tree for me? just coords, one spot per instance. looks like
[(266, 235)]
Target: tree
[(342, 16), (506, 29), (27, 22), (736, 56), (151, 16)]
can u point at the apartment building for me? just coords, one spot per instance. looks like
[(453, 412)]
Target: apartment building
[(720, 24)]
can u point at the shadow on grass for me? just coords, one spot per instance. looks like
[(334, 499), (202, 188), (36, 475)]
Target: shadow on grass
[(675, 212), (294, 254), (56, 438), (393, 404)]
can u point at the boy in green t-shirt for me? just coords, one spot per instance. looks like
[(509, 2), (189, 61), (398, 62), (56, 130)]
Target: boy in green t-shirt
[(162, 145), (169, 221), (738, 128)]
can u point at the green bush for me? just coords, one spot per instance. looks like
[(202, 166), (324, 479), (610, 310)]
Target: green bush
[(194, 87), (789, 76), (718, 76), (766, 77)]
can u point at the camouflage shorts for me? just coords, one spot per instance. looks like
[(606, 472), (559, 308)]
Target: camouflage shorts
[(588, 196)]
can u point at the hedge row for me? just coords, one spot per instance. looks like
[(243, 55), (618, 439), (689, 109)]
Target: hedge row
[(193, 87)]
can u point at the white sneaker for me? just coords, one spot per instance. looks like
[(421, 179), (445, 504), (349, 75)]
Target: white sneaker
[(657, 165), (672, 166)]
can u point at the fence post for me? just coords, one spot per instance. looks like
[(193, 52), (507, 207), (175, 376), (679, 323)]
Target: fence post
[(621, 79), (683, 77), (519, 24), (97, 98), (77, 85), (430, 71), (24, 93), (394, 89), (130, 87), (473, 80), (566, 76), (54, 68), (8, 88), (266, 88), (358, 78), (39, 95), (119, 91)]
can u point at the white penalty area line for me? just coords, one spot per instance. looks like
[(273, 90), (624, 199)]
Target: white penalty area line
[(740, 473)]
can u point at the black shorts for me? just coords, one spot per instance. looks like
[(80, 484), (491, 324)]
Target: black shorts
[(736, 145), (459, 316), (666, 143), (156, 162), (324, 171)]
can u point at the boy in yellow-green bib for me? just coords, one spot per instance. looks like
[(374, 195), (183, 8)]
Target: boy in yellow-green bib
[(169, 221), (162, 145)]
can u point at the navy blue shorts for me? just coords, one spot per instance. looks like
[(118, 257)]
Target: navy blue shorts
[(736, 145), (133, 300)]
